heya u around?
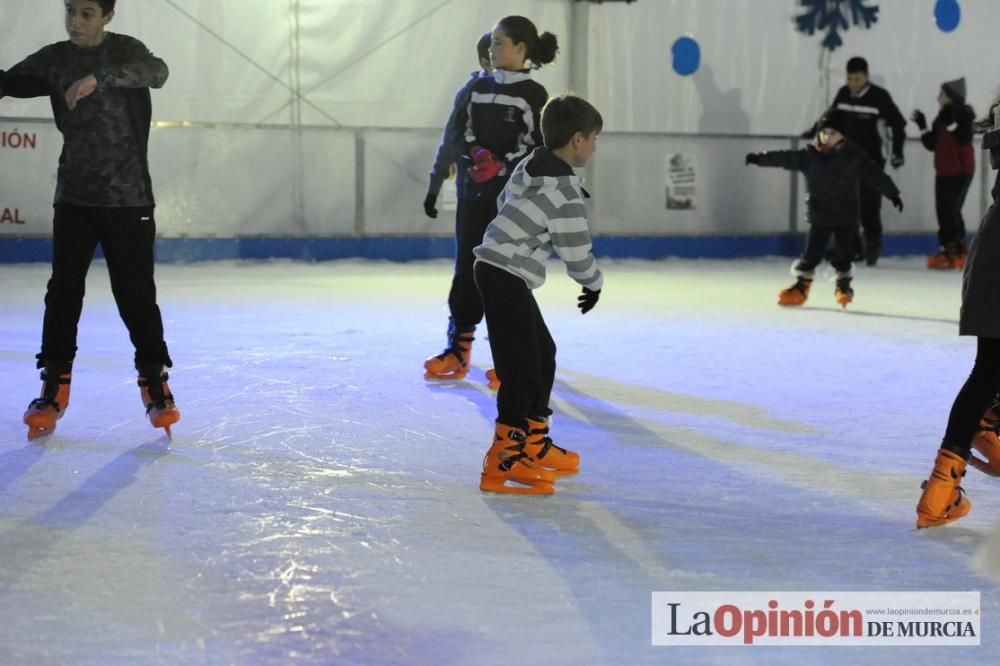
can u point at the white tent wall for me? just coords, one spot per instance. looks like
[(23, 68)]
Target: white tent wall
[(759, 75), (319, 118)]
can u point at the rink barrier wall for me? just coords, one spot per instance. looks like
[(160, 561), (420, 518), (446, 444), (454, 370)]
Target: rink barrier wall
[(356, 192), (183, 250)]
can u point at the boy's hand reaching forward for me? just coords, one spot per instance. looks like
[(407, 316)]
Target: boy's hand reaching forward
[(587, 300), (82, 88), (897, 202)]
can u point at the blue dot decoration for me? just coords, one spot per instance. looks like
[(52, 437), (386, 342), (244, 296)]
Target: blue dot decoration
[(687, 56), (947, 15)]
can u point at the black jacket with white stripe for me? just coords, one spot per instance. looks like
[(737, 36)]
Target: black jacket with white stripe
[(864, 111), (502, 114)]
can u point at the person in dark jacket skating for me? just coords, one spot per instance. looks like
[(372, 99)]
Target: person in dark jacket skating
[(950, 137), (98, 84), (834, 168), (973, 423), (866, 105), (497, 127), (447, 151)]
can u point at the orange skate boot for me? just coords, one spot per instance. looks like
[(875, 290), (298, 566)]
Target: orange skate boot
[(544, 451), (940, 261), (492, 380), (507, 462), (987, 442), (943, 500), (843, 293), (951, 256), (796, 294), (453, 362), (156, 396), (49, 407)]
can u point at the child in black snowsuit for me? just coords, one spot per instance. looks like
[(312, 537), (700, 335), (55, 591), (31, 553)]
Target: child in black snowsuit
[(834, 169)]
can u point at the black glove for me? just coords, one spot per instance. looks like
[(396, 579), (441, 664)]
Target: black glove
[(897, 161), (897, 202), (753, 158), (587, 300), (429, 208), (920, 119)]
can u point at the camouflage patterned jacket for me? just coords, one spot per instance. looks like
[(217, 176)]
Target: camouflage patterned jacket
[(105, 138)]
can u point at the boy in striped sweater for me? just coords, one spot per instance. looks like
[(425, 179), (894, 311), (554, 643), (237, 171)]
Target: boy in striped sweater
[(542, 208)]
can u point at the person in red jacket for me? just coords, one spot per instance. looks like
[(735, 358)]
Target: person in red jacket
[(950, 137)]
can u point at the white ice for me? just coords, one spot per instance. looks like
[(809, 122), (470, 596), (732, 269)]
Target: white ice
[(319, 502)]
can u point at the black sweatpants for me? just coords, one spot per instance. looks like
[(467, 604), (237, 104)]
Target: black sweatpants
[(523, 349), (126, 236), (471, 220), (816, 244), (949, 197), (871, 219), (974, 398)]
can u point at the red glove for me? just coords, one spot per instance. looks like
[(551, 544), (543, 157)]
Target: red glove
[(486, 166)]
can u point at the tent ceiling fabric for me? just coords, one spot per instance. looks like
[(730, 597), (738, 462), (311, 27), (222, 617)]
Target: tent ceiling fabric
[(397, 63)]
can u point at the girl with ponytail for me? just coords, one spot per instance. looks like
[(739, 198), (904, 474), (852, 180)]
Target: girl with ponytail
[(499, 126)]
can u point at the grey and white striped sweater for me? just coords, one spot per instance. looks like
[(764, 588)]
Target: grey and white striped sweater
[(537, 214)]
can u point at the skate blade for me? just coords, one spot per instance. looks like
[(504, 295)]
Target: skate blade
[(563, 472), (431, 376), (924, 523), (37, 432), (494, 485), (960, 511)]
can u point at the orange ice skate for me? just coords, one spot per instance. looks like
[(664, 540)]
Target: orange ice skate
[(49, 407), (943, 500), (843, 293), (157, 398), (987, 442), (796, 294), (492, 380), (453, 362), (544, 451), (506, 462)]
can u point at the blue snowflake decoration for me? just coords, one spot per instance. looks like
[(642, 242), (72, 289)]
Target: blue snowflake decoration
[(835, 16)]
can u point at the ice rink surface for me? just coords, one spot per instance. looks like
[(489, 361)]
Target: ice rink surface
[(319, 501)]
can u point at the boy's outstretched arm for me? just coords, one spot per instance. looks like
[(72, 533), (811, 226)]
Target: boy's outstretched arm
[(793, 160), (27, 78)]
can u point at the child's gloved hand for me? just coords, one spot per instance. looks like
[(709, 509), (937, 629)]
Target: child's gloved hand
[(897, 161), (920, 119), (753, 158), (429, 205), (587, 300), (897, 202), (486, 166)]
